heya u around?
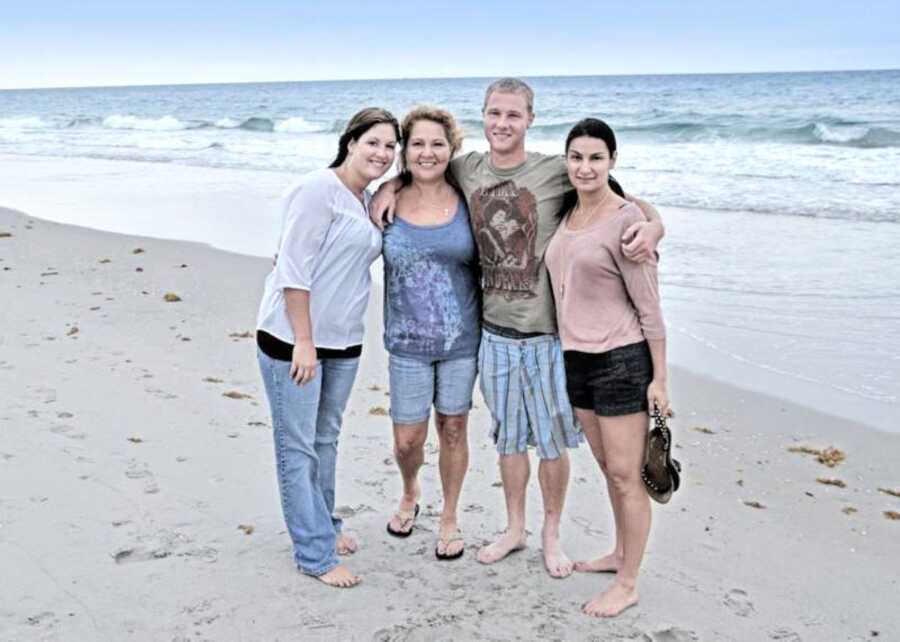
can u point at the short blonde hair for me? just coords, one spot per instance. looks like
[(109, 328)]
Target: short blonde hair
[(510, 86), (436, 115)]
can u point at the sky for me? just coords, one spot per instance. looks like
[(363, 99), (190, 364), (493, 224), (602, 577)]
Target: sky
[(67, 44)]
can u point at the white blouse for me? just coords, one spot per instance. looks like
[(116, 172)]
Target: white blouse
[(327, 245)]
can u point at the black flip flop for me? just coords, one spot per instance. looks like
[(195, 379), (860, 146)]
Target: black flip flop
[(412, 522), (660, 473), (445, 557)]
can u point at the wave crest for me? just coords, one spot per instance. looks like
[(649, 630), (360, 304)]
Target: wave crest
[(166, 123), (24, 122), (296, 125)]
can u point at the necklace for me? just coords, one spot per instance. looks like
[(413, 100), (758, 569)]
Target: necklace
[(591, 212), (433, 206)]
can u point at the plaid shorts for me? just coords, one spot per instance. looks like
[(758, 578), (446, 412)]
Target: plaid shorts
[(523, 382)]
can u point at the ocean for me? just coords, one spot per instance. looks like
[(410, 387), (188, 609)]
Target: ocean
[(781, 194)]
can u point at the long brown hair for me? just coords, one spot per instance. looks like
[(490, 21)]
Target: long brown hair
[(363, 121)]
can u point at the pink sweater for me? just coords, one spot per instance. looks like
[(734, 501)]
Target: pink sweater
[(603, 300)]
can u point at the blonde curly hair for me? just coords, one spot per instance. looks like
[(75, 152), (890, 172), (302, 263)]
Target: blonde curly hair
[(436, 115)]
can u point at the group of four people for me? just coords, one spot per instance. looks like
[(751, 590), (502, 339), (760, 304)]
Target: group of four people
[(533, 272)]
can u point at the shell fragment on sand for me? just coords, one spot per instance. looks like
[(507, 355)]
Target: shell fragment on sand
[(241, 335), (378, 411), (892, 514), (704, 430), (212, 380), (137, 250), (171, 297), (247, 528), (234, 394), (831, 482), (754, 504), (890, 491)]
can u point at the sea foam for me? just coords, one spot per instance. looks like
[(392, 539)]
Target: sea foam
[(166, 123), (24, 122)]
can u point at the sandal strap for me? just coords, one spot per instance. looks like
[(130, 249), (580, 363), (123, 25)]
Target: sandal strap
[(455, 536)]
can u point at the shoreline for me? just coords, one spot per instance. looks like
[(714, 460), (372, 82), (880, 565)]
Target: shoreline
[(150, 479), (754, 333)]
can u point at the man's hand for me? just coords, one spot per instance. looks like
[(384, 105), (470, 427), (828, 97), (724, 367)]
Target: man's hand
[(384, 203), (640, 240)]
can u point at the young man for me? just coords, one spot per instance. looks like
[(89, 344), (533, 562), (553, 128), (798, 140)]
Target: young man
[(514, 198)]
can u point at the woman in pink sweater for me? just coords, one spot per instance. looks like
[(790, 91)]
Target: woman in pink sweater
[(613, 338)]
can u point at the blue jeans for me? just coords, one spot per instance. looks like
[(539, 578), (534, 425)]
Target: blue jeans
[(306, 422)]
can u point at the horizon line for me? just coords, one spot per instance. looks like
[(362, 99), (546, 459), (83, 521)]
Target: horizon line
[(529, 76)]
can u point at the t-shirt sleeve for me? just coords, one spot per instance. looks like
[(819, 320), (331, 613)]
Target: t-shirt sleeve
[(642, 283), (308, 214), (463, 166)]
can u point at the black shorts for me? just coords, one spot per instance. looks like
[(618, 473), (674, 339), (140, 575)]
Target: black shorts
[(610, 383)]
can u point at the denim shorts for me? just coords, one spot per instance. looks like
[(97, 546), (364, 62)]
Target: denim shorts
[(611, 383), (524, 385), (417, 384)]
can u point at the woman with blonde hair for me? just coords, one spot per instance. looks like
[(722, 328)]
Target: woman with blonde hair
[(432, 319)]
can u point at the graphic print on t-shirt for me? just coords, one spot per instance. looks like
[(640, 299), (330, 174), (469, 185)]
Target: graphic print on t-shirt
[(504, 218)]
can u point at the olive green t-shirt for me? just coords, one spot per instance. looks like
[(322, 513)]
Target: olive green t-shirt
[(514, 215)]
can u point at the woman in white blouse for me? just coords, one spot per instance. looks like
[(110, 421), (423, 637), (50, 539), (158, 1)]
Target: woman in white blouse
[(310, 332)]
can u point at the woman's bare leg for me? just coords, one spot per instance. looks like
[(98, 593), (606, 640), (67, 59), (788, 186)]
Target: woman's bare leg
[(610, 562), (409, 451), (623, 441), (453, 462)]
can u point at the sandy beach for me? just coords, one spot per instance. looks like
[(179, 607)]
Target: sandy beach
[(138, 497)]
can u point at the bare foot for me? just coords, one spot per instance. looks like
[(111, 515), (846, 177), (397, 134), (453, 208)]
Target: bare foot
[(346, 544), (613, 601), (340, 577), (558, 564), (506, 544), (606, 564)]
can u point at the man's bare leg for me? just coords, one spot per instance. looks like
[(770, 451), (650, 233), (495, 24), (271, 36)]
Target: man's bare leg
[(514, 471), (453, 462), (409, 450), (623, 445), (553, 475), (610, 562)]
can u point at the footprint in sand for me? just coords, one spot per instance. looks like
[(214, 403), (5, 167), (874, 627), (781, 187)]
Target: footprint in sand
[(585, 523), (66, 431), (46, 617), (138, 470), (162, 545), (674, 634), (345, 512), (738, 603)]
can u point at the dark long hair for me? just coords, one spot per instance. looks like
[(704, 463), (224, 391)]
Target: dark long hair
[(363, 121), (592, 128)]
